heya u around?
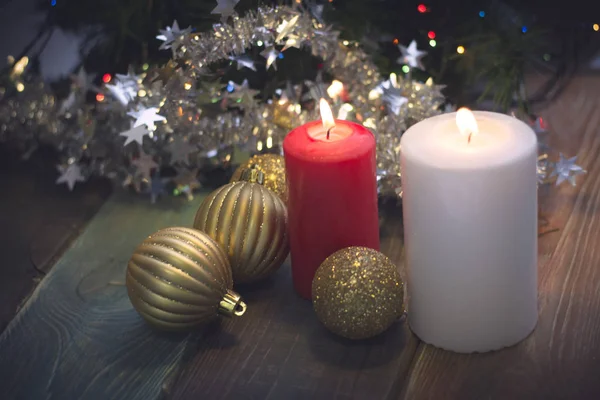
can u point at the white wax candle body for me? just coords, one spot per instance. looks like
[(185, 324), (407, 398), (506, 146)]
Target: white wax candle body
[(470, 222)]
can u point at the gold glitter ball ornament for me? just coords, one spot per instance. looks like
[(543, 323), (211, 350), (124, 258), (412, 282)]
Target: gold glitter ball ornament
[(357, 293), (273, 168), (250, 223), (179, 278)]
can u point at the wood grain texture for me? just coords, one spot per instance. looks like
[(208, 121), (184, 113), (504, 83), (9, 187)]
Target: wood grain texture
[(279, 350), (561, 359), (38, 219), (78, 336)]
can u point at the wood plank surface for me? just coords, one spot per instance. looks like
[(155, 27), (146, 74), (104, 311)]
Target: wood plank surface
[(39, 219), (79, 338), (561, 359)]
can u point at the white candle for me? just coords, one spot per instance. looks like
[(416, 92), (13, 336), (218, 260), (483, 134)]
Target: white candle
[(470, 224)]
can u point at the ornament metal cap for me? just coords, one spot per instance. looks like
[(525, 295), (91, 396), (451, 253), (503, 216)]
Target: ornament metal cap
[(232, 304), (253, 175)]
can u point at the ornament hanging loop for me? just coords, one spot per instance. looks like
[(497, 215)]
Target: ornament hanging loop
[(253, 175), (232, 304)]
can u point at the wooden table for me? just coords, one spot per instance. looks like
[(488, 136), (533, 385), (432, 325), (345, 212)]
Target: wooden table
[(78, 337)]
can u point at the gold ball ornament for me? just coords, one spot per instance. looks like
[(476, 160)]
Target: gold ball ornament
[(179, 278), (250, 223), (273, 168), (357, 293)]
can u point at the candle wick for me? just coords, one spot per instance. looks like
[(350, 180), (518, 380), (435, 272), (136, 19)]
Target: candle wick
[(469, 139), (329, 131)]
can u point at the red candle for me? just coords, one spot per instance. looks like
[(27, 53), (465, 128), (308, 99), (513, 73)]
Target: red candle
[(332, 203)]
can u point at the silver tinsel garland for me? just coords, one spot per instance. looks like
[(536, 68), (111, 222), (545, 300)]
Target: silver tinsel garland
[(179, 116)]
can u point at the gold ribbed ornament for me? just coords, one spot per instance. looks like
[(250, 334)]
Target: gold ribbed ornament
[(273, 168), (250, 223), (179, 278)]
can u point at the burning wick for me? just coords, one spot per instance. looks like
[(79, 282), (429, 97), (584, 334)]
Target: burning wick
[(326, 116), (467, 125)]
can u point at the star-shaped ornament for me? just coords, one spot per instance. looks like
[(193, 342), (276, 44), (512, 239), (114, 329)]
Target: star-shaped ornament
[(180, 150), (271, 54), (243, 94), (146, 116), (565, 169), (292, 41), (317, 89), (225, 8), (412, 56), (286, 27), (243, 61), (186, 182), (144, 165), (172, 33), (157, 187), (392, 97), (83, 81), (122, 92), (135, 134), (69, 175)]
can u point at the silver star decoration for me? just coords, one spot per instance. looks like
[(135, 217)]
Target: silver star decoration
[(243, 94), (292, 41), (122, 92), (157, 187), (135, 134), (286, 27), (271, 54), (566, 170), (317, 89), (69, 175), (243, 61), (146, 116), (130, 79), (67, 103), (412, 56), (225, 8), (392, 97), (186, 182), (144, 165), (170, 34), (180, 150), (83, 81)]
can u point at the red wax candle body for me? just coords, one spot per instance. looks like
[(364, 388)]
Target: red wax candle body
[(332, 199)]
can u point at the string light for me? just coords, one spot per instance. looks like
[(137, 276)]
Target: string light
[(432, 43), (596, 27), (481, 14), (431, 35), (405, 69), (99, 97), (524, 29), (145, 66), (187, 86), (106, 78), (422, 8), (546, 57), (395, 41), (460, 50), (259, 43), (53, 3), (20, 87)]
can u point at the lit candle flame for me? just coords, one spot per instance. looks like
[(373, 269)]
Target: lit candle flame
[(335, 89), (467, 125), (326, 116)]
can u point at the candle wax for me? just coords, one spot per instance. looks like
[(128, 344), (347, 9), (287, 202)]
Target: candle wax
[(332, 192), (470, 223)]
